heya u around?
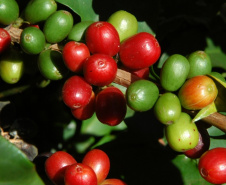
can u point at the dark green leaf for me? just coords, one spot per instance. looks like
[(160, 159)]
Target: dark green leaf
[(216, 54), (15, 167), (144, 27), (81, 7), (189, 171)]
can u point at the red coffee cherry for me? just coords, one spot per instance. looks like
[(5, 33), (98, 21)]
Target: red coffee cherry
[(139, 51), (212, 165), (113, 182), (102, 37), (110, 106), (74, 55), (5, 40), (85, 112), (100, 69), (76, 92), (99, 161), (81, 174), (56, 165)]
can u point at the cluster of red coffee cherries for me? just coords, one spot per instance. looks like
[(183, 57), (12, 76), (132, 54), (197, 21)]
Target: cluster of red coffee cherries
[(63, 169), (94, 63)]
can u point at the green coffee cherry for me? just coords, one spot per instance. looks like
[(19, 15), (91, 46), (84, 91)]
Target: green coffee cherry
[(141, 95), (39, 10), (125, 23), (174, 72), (167, 109), (51, 65), (77, 32), (9, 11), (11, 66), (58, 26), (200, 64), (183, 134), (32, 40)]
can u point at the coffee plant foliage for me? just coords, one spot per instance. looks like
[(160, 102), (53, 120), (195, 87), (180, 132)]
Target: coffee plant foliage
[(137, 147)]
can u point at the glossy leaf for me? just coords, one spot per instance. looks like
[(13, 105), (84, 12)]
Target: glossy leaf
[(15, 167), (189, 171), (206, 111), (81, 7)]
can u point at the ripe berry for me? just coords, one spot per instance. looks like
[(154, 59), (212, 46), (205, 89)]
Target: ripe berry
[(139, 51), (80, 174), (110, 106), (76, 92), (212, 165), (102, 37), (5, 40), (99, 161), (74, 55), (100, 69), (85, 112), (56, 165)]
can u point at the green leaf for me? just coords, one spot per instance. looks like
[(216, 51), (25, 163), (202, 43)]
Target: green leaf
[(144, 27), (15, 167), (189, 171), (206, 111), (81, 7), (218, 57)]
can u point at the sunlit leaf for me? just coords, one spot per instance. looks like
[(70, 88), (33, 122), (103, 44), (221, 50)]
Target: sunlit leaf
[(206, 111), (15, 167)]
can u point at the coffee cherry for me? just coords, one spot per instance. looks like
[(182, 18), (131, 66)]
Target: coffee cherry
[(5, 40), (174, 72), (57, 26), (202, 146), (11, 66), (197, 92), (51, 64), (99, 69), (76, 92), (74, 55), (110, 106), (32, 40), (56, 165), (102, 37), (99, 161), (141, 95), (183, 134), (9, 11), (200, 64), (37, 11), (87, 111), (167, 109), (212, 165), (139, 51), (80, 174), (113, 182), (77, 32), (125, 23)]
